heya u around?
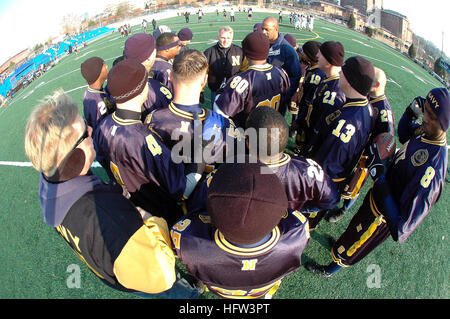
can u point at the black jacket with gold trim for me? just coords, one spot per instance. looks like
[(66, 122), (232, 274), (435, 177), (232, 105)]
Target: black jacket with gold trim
[(107, 233)]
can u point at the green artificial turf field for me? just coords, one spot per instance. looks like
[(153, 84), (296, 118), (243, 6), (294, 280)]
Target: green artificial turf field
[(37, 263)]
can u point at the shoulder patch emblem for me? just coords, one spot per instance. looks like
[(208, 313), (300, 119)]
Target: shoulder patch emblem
[(205, 219), (330, 118), (419, 157)]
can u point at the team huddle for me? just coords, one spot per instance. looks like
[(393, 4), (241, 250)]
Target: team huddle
[(218, 187)]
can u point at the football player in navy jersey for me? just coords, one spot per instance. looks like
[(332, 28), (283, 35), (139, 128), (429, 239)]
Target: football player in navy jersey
[(247, 240), (308, 188), (328, 97), (96, 102), (167, 47), (262, 84), (402, 194), (347, 130), (384, 123), (142, 47), (306, 91), (139, 161), (175, 125)]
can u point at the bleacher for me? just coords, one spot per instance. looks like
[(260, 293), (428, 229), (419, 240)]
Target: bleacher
[(14, 81)]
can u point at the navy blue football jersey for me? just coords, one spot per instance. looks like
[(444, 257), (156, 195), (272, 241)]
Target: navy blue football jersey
[(140, 162), (96, 105), (313, 77), (307, 186), (416, 179), (176, 123), (259, 85), (159, 97), (384, 117), (348, 130), (161, 71), (231, 271), (327, 99)]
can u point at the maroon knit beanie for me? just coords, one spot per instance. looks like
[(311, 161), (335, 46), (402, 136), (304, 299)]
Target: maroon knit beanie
[(256, 46), (139, 47), (291, 39), (310, 49), (333, 52), (359, 73), (185, 34), (126, 80), (245, 202), (91, 69)]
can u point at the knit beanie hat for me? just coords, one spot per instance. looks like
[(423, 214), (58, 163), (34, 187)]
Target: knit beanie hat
[(257, 27), (359, 73), (333, 52), (91, 69), (126, 80), (439, 100), (256, 46), (245, 202), (185, 34), (291, 39), (139, 47), (310, 49)]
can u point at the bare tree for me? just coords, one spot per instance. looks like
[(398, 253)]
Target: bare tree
[(124, 9), (70, 23)]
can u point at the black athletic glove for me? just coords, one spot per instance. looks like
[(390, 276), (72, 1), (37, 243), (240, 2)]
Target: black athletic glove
[(375, 164), (417, 107)]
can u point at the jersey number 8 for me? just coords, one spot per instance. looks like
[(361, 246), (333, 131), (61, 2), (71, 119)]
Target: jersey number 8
[(239, 84)]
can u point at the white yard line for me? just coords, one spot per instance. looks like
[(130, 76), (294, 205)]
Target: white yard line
[(95, 164)]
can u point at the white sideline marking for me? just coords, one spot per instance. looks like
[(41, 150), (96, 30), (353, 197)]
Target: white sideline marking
[(95, 164), (80, 87)]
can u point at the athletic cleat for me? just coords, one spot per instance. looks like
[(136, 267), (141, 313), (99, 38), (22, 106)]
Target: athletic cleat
[(317, 269), (335, 215)]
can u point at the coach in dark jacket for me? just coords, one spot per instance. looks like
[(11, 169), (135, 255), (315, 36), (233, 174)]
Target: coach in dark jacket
[(224, 60), (282, 54)]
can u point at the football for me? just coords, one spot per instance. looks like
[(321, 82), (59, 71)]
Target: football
[(385, 144)]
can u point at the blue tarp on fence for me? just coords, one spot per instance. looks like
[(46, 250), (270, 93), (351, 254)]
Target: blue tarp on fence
[(49, 56)]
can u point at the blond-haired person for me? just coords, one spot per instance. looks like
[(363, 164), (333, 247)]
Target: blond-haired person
[(103, 227)]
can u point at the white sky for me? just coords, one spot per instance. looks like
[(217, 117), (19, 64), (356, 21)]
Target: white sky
[(427, 18), (25, 23)]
